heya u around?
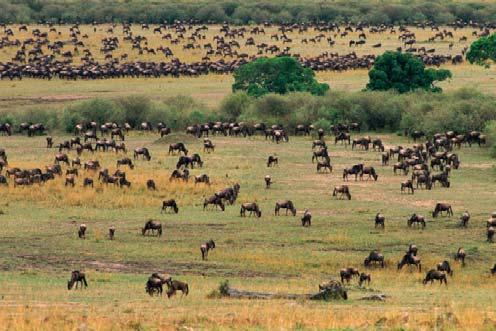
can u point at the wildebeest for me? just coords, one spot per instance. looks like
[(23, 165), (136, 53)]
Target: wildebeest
[(111, 232), (464, 219), (70, 180), (433, 275), (189, 161), (370, 171), (155, 284), (77, 277), (343, 190), (320, 153), (252, 207), (214, 200), (445, 266), (407, 185), (171, 203), (177, 174), (204, 248), (142, 151), (150, 184), (125, 161), (385, 158), (272, 160), (460, 255), (306, 219), (325, 165), (268, 181), (348, 273), (416, 220), (152, 225), (61, 157), (82, 231), (440, 208), (179, 147), (202, 179), (374, 257), (490, 234), (230, 194), (208, 145), (88, 182), (380, 220), (364, 278), (285, 204), (354, 170), (493, 270), (410, 259), (175, 285)]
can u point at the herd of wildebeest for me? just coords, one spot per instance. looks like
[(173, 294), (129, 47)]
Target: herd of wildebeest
[(49, 50), (430, 162)]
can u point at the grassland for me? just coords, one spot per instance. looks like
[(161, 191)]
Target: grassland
[(210, 89), (39, 245)]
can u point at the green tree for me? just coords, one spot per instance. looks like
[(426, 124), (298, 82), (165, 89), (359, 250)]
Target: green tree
[(483, 50), (404, 73), (276, 75)]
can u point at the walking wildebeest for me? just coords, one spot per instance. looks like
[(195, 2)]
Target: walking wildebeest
[(440, 208), (252, 207), (460, 255), (175, 285), (285, 204), (325, 165), (171, 203), (354, 170), (433, 275), (77, 277), (407, 185), (214, 200), (343, 190), (111, 232), (206, 247)]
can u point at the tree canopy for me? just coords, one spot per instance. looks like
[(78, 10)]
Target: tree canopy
[(276, 75), (404, 73), (483, 50)]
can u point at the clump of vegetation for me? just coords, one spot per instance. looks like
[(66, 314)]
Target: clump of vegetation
[(276, 75), (221, 291), (403, 72), (483, 50)]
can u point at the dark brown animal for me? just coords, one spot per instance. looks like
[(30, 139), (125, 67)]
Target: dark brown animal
[(77, 277)]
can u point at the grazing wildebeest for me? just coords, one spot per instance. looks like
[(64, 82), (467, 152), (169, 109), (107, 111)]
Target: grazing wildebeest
[(445, 266), (490, 234), (370, 171), (176, 174), (82, 231), (125, 161), (325, 165), (440, 208), (111, 232), (206, 247), (464, 219), (150, 184), (306, 219), (179, 147), (343, 190), (272, 160), (230, 194), (374, 257), (380, 220), (252, 207), (364, 278), (88, 182), (268, 181), (171, 203), (91, 165), (142, 151), (214, 200), (189, 160), (354, 170), (152, 225), (348, 273), (174, 286), (285, 204), (77, 277), (70, 180), (433, 275), (407, 185), (410, 259), (61, 157), (202, 179), (416, 219)]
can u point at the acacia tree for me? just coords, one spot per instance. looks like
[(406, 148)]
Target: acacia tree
[(404, 73), (483, 50), (276, 75)]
